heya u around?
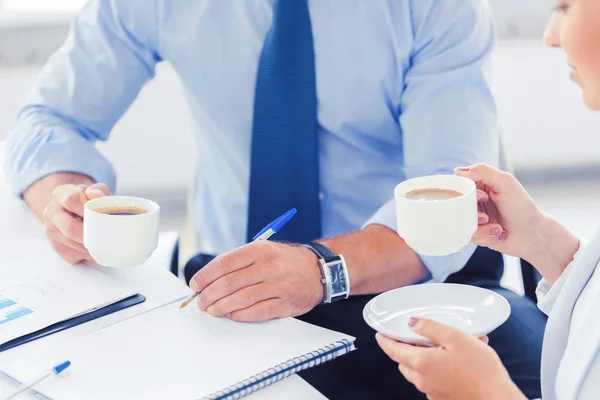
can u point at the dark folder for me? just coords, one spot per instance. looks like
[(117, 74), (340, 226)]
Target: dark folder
[(71, 322)]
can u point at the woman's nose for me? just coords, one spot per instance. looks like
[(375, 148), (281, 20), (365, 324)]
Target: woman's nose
[(552, 34)]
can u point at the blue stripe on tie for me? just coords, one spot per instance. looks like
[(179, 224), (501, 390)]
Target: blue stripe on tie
[(284, 171)]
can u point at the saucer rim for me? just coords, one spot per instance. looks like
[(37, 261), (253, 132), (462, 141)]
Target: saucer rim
[(412, 340)]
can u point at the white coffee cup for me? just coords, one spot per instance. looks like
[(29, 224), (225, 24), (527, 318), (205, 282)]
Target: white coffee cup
[(437, 228), (120, 240)]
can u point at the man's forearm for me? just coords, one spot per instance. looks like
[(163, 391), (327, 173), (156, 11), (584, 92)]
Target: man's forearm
[(38, 195), (377, 259)]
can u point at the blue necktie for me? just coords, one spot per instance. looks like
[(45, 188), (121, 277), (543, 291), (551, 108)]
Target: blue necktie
[(284, 170)]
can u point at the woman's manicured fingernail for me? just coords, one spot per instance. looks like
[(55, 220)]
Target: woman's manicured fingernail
[(503, 235), (495, 231), (483, 220), (413, 322), (464, 169)]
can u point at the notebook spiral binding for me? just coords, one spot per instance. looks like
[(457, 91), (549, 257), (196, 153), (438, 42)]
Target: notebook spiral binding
[(282, 371)]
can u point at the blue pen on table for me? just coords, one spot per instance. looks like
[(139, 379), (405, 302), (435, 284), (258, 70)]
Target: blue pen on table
[(26, 386), (264, 234)]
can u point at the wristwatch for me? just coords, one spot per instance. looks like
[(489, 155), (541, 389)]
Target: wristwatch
[(334, 273)]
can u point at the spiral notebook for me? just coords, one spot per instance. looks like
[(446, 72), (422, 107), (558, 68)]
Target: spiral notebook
[(183, 354)]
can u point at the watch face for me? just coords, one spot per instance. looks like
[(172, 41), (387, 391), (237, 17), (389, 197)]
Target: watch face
[(338, 279)]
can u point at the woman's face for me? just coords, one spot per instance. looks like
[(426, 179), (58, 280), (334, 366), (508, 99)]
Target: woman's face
[(575, 27)]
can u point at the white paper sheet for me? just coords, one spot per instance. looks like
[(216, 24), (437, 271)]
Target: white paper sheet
[(46, 289), (153, 281), (171, 353)]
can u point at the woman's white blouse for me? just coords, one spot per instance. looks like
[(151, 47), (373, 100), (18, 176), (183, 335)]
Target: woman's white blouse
[(547, 296)]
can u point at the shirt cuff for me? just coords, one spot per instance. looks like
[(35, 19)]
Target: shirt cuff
[(548, 294), (440, 268), (32, 156)]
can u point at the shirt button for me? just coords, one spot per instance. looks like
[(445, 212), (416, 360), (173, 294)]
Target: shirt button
[(321, 195)]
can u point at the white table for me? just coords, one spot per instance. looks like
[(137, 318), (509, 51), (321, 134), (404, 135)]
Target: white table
[(15, 219)]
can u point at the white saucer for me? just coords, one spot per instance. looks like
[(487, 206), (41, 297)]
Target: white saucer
[(471, 309)]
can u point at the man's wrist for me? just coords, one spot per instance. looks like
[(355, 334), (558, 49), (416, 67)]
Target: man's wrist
[(377, 259), (334, 273), (39, 194), (315, 264)]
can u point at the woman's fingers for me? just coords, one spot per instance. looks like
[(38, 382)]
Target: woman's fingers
[(489, 234), (482, 218), (482, 196), (497, 180)]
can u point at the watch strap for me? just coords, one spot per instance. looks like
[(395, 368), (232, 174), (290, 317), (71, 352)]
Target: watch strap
[(322, 251), (326, 258), (324, 282)]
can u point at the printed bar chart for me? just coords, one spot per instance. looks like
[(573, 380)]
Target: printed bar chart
[(11, 310)]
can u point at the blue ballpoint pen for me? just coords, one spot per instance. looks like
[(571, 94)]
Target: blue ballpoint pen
[(264, 234), (54, 371)]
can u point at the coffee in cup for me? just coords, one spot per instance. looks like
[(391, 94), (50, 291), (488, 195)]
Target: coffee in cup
[(433, 194), (120, 231), (122, 210), (436, 215)]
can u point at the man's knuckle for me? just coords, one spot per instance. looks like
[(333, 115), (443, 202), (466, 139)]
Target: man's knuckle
[(48, 210), (205, 299), (219, 308), (268, 249), (199, 278), (56, 192), (72, 202), (257, 293), (227, 282), (225, 261), (72, 228)]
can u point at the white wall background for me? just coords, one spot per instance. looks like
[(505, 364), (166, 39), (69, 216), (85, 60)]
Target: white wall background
[(544, 121)]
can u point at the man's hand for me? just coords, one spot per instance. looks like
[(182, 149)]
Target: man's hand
[(260, 281), (63, 219), (58, 200)]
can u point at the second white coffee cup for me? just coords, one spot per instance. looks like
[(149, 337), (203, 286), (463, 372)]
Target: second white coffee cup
[(437, 228), (115, 240)]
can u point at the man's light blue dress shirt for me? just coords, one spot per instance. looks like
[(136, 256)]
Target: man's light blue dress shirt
[(402, 86)]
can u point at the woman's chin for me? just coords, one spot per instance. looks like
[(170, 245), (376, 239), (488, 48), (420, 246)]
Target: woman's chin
[(591, 100)]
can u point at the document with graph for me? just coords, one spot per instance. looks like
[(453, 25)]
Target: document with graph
[(38, 290), (170, 353)]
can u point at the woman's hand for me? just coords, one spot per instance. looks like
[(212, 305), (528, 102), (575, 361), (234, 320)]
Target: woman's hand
[(461, 367), (511, 223), (508, 216)]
